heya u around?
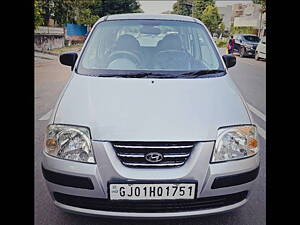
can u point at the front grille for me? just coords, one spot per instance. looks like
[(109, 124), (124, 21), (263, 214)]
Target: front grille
[(170, 154), (150, 206)]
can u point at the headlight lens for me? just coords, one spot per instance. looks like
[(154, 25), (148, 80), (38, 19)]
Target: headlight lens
[(235, 143), (69, 142)]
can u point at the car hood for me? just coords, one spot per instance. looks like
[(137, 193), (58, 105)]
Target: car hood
[(251, 43), (142, 109)]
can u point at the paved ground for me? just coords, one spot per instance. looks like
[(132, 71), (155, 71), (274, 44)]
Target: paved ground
[(50, 78)]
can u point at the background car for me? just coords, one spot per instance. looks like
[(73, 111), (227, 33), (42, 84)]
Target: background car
[(245, 44), (260, 52)]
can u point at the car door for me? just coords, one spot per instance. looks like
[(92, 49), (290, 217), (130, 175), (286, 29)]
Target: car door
[(237, 44)]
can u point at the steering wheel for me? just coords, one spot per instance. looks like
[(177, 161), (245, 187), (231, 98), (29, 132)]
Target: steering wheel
[(172, 59), (124, 54)]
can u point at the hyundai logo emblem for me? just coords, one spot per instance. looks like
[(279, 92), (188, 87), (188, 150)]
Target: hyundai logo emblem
[(154, 157)]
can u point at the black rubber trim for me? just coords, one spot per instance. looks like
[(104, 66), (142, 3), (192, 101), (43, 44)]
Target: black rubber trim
[(150, 206), (234, 180), (67, 180)]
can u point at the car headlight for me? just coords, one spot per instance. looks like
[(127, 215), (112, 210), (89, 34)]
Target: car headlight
[(235, 143), (70, 143)]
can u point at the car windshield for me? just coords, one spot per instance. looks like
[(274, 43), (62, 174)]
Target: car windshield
[(156, 46), (252, 38)]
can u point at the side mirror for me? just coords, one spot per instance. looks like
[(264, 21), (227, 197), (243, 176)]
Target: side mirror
[(229, 60), (68, 59)]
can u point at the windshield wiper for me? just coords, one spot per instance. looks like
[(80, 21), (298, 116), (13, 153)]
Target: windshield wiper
[(139, 75), (164, 75), (202, 72)]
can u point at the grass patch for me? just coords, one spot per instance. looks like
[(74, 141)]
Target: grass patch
[(72, 48)]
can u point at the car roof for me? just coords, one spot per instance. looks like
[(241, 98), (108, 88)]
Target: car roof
[(141, 16)]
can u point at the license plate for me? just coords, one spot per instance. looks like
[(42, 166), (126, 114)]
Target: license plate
[(152, 191)]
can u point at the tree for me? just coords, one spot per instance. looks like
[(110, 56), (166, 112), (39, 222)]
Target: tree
[(84, 14), (85, 17), (64, 11), (182, 7), (199, 6), (211, 18), (262, 3), (109, 7), (46, 7), (221, 29), (38, 19)]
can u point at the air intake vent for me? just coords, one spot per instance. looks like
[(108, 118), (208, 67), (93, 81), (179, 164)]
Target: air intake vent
[(153, 154)]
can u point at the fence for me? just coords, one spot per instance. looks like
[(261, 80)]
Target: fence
[(50, 30), (47, 38), (75, 33)]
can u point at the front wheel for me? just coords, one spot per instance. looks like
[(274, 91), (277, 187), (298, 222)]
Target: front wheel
[(242, 52)]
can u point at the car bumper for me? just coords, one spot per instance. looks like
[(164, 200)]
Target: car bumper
[(212, 181), (89, 212), (250, 51)]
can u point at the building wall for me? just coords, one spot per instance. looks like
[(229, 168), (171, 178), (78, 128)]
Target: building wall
[(242, 13), (47, 42), (47, 38), (250, 16), (224, 3), (230, 9), (226, 13), (246, 21)]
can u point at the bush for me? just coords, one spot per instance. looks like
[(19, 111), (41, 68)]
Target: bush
[(222, 43), (243, 30)]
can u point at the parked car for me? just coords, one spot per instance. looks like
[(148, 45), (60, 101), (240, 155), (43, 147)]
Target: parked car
[(144, 130), (260, 52), (245, 44)]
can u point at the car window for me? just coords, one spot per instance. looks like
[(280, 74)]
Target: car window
[(251, 38), (150, 45)]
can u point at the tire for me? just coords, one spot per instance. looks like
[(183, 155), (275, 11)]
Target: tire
[(256, 56), (242, 52)]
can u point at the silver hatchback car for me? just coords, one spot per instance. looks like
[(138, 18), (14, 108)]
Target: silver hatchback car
[(150, 124)]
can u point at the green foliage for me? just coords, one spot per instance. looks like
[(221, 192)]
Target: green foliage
[(85, 12), (203, 10), (262, 3), (109, 7), (64, 11), (222, 28), (211, 18), (199, 6), (182, 7), (222, 43), (38, 19), (85, 17), (243, 30), (46, 7)]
